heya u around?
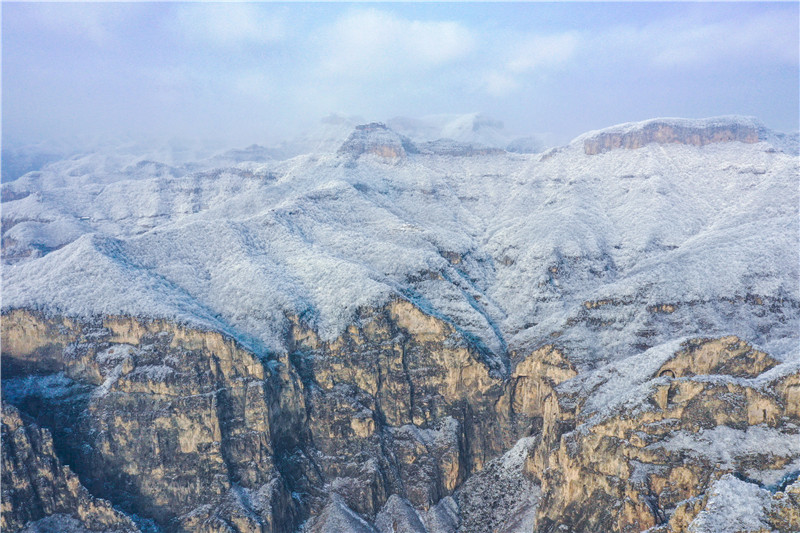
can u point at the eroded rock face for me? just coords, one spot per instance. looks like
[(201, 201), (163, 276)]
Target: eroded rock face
[(37, 484), (401, 422), (668, 133), (402, 404), (643, 466), (375, 138), (168, 423)]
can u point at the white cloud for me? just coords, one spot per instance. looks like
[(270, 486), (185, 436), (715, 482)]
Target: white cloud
[(538, 51), (526, 55), (230, 24), (253, 84), (368, 41), (765, 38), (499, 83), (97, 24)]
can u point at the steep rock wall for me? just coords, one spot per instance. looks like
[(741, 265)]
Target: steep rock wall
[(36, 484), (400, 416), (666, 133)]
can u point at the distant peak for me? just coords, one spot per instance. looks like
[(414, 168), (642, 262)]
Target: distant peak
[(694, 132), (372, 126), (377, 139)]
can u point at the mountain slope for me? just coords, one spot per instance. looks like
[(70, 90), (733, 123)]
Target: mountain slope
[(418, 328)]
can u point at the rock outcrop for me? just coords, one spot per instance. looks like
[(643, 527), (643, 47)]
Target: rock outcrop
[(37, 485), (167, 423), (672, 131), (649, 462), (375, 138)]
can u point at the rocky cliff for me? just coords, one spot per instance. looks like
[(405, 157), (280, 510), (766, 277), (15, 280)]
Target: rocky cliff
[(692, 133), (377, 139), (400, 420), (38, 488)]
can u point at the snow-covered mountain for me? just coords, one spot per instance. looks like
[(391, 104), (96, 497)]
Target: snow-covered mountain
[(512, 248), (597, 292)]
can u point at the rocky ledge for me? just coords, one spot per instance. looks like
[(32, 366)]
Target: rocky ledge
[(672, 131), (377, 139)]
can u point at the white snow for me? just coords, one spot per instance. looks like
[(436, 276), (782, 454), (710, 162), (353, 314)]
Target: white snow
[(723, 445), (320, 235), (733, 505), (694, 123), (337, 517)]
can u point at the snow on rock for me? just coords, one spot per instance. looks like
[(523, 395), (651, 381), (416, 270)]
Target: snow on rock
[(733, 505), (502, 497), (722, 445), (398, 516), (337, 517), (511, 248), (697, 132), (61, 523), (377, 139)]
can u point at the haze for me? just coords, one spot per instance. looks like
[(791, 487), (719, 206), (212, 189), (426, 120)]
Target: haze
[(256, 73)]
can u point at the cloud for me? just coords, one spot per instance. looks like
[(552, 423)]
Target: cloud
[(230, 25), (764, 38), (499, 83), (253, 84), (526, 55), (368, 41), (538, 51)]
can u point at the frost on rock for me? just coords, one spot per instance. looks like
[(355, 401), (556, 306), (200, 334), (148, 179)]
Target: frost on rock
[(336, 517), (723, 445)]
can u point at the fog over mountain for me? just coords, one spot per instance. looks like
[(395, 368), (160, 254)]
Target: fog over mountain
[(419, 268), (242, 74)]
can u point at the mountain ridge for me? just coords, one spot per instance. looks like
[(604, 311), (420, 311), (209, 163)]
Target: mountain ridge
[(403, 335)]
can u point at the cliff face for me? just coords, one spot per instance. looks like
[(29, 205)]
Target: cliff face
[(670, 133), (188, 429), (37, 486), (167, 423), (400, 420), (377, 139), (647, 464)]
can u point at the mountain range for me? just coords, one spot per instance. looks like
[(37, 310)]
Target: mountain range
[(417, 325)]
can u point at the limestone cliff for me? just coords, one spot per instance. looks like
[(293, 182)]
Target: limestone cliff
[(671, 132), (650, 462), (37, 485), (167, 423), (400, 422), (375, 138)]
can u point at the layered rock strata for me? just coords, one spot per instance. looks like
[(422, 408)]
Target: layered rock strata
[(664, 132)]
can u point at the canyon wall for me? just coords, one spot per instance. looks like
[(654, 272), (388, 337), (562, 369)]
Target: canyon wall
[(400, 420)]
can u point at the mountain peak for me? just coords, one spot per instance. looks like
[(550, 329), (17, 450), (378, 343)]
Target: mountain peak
[(376, 138)]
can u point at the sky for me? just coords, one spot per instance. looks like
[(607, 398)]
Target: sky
[(245, 73)]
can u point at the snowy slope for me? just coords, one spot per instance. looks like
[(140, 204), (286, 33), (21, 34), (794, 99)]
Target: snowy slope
[(511, 248)]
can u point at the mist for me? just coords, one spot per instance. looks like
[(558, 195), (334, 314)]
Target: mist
[(224, 75)]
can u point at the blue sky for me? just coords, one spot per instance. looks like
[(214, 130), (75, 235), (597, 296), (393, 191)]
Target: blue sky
[(257, 72)]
